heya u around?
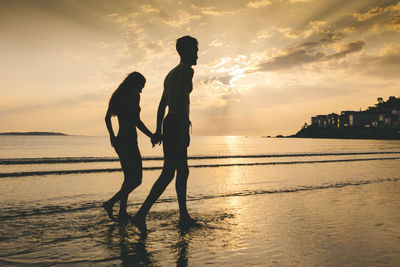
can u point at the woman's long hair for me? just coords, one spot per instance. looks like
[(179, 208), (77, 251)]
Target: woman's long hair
[(121, 99)]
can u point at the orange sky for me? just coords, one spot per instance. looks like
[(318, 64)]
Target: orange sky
[(265, 67)]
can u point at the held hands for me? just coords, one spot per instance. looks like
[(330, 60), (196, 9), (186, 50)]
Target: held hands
[(156, 139)]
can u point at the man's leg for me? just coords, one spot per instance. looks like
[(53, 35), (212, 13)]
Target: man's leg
[(181, 187), (170, 162), (158, 188)]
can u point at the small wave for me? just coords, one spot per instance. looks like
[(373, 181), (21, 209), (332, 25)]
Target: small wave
[(63, 160), (82, 171), (299, 189), (16, 213)]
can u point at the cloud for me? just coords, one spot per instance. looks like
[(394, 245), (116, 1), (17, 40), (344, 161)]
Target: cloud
[(149, 8), (264, 34), (377, 11), (351, 47), (68, 102), (294, 34), (101, 45), (183, 18), (215, 95), (381, 18), (217, 80), (215, 43), (321, 44), (300, 1), (312, 28), (155, 46), (294, 56), (213, 11), (258, 4), (373, 12), (393, 24), (307, 53), (384, 65)]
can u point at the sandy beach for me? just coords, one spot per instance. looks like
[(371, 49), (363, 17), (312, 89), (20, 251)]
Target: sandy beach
[(321, 203), (58, 220)]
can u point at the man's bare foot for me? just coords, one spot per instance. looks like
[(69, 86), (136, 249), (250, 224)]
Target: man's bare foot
[(187, 222), (140, 223), (123, 218), (109, 209)]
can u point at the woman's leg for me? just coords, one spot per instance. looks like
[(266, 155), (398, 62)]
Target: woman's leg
[(131, 164), (133, 173), (114, 199), (123, 159), (109, 204)]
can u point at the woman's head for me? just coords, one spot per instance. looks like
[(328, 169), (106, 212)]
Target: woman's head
[(121, 100), (134, 81)]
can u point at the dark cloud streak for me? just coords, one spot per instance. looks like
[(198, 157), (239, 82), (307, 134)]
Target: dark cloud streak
[(305, 54), (61, 103), (352, 47)]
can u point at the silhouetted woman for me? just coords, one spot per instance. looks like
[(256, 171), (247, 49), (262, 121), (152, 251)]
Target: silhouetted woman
[(124, 103)]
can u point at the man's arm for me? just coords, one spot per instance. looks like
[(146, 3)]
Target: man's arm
[(160, 117)]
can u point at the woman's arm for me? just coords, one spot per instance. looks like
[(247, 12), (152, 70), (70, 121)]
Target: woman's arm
[(143, 128), (109, 127)]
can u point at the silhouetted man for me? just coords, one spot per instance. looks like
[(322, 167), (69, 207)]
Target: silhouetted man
[(175, 135)]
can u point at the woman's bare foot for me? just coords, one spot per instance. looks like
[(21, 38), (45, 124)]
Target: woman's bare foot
[(109, 209), (140, 223)]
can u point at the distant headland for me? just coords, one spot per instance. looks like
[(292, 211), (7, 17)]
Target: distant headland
[(34, 133), (381, 121)]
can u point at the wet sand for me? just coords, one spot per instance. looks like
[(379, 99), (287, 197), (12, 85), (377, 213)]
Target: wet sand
[(320, 203), (352, 224)]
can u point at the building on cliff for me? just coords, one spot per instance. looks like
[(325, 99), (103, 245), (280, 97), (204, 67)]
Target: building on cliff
[(357, 119)]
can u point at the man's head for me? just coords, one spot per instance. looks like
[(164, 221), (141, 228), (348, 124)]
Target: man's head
[(187, 48)]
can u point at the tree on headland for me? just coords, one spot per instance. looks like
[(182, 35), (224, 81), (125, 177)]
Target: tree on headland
[(385, 106)]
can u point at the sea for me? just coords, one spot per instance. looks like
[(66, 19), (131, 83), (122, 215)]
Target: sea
[(259, 202)]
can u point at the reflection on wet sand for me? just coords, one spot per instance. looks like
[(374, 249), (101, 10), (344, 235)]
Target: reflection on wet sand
[(130, 245), (133, 248), (182, 249)]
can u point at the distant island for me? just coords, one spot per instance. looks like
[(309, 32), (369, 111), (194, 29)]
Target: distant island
[(381, 121), (33, 133)]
